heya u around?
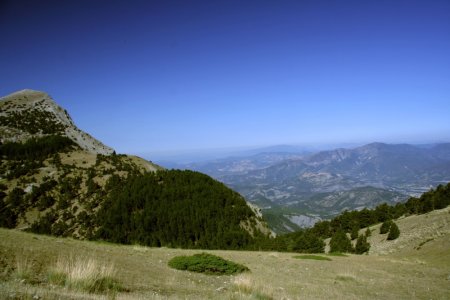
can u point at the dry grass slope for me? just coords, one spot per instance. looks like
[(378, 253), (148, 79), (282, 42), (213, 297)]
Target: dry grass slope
[(428, 229), (413, 267)]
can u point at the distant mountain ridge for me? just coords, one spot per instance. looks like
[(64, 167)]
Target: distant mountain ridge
[(380, 165), (241, 165), (403, 168), (326, 182)]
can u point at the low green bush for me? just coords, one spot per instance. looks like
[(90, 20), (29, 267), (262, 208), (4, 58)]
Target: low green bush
[(206, 263), (337, 254)]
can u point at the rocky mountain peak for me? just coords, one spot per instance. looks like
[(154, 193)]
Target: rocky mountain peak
[(29, 113)]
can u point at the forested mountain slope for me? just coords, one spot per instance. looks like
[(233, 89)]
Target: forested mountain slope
[(56, 179)]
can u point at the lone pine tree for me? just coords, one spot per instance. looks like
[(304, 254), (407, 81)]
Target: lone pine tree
[(362, 246), (394, 232)]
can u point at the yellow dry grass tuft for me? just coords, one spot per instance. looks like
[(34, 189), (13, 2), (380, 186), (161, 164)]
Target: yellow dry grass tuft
[(80, 269), (24, 268), (86, 274), (247, 286), (243, 283)]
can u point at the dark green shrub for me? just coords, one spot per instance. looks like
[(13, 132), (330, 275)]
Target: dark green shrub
[(15, 200), (340, 242), (8, 218), (206, 263), (354, 232), (22, 168), (362, 246), (59, 228), (45, 202), (385, 227), (394, 232), (44, 224), (309, 243)]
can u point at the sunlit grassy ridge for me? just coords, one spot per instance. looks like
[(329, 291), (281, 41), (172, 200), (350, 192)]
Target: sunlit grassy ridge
[(392, 270)]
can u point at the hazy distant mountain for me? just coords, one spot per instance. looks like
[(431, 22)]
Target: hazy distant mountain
[(241, 165), (327, 182), (404, 168), (198, 158)]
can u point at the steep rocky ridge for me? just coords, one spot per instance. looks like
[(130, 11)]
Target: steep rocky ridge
[(30, 113)]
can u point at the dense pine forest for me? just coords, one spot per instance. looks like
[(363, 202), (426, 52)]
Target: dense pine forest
[(175, 208), (36, 148)]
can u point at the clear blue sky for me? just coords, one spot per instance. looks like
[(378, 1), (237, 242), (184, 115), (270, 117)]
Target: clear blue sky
[(150, 76)]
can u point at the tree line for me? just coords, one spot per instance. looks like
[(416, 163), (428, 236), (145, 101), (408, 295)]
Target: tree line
[(36, 148)]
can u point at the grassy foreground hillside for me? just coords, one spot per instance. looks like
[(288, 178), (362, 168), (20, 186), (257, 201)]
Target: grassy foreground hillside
[(415, 266)]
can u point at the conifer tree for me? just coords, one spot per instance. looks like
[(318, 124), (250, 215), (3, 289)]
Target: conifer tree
[(368, 232), (354, 232), (340, 242), (385, 227), (8, 218), (394, 232), (362, 245), (308, 243)]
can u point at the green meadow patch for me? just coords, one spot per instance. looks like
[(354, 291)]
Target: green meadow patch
[(337, 254), (207, 264), (314, 257)]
